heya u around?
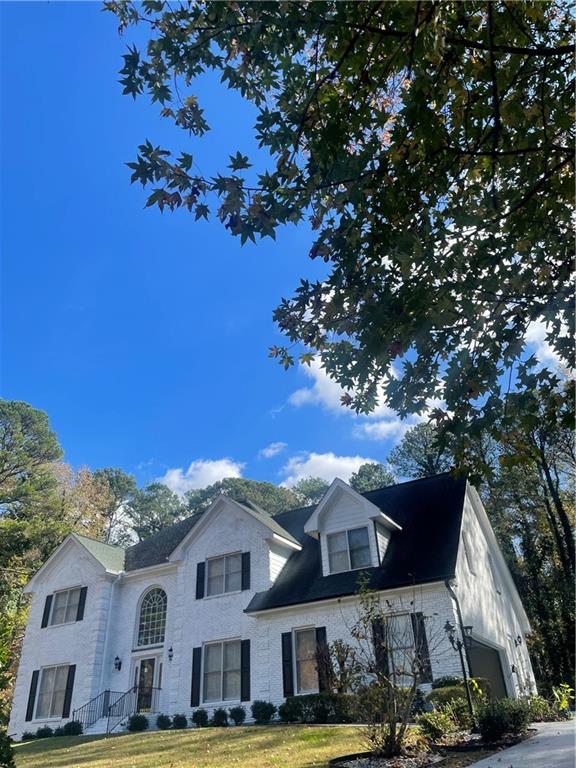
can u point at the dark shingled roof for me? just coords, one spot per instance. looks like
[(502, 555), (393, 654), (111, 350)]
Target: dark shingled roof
[(158, 548), (425, 550)]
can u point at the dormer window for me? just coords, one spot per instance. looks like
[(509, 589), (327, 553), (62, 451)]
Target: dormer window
[(349, 550)]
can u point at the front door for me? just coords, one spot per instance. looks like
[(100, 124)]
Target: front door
[(146, 668)]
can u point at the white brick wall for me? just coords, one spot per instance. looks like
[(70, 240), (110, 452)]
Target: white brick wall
[(108, 628)]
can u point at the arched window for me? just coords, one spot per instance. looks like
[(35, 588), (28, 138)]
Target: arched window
[(152, 621)]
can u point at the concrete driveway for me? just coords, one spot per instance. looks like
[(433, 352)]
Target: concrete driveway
[(552, 747)]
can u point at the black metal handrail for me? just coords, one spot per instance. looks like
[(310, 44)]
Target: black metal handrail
[(138, 699), (94, 709)]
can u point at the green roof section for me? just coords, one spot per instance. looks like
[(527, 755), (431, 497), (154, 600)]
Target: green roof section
[(111, 556)]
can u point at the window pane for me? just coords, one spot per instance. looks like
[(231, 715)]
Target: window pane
[(401, 634), (338, 552), (232, 686), (152, 620), (72, 607), (306, 671), (359, 548), (212, 672), (215, 580), (45, 695), (233, 573), (59, 608), (231, 682), (59, 692)]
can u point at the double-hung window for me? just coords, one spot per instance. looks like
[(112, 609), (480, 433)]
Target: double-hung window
[(65, 606), (349, 550), (52, 692), (306, 662), (222, 671), (401, 649), (224, 574)]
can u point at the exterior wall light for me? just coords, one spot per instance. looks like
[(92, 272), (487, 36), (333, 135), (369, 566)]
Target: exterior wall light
[(170, 653), (117, 664)]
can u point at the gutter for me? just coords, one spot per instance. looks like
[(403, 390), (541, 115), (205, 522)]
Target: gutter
[(454, 597)]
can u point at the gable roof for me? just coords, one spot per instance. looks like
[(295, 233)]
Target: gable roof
[(429, 512), (109, 555), (156, 549)]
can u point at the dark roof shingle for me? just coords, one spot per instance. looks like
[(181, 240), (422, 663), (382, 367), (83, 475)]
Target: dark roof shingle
[(425, 550)]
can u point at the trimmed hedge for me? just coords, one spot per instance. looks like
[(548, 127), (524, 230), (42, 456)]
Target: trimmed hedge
[(447, 681), (263, 712), (137, 723), (200, 718), (237, 715), (505, 716), (324, 707), (163, 722), (219, 718), (179, 721), (73, 728), (44, 732)]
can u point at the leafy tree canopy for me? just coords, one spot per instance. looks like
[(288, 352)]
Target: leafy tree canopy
[(153, 508), (121, 488), (371, 476), (310, 489), (270, 497), (429, 144), (420, 454)]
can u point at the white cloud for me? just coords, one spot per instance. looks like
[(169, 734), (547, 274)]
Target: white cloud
[(272, 450), (200, 473), (536, 336), (382, 430), (324, 465)]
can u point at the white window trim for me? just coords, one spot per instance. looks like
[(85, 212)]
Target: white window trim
[(39, 689), (136, 648), (222, 557), (346, 531), (295, 631), (52, 607), (221, 643)]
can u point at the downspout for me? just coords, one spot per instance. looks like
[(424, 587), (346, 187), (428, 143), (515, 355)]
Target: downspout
[(116, 579), (460, 644), (454, 596)]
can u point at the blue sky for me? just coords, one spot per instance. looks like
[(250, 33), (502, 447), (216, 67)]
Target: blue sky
[(144, 336)]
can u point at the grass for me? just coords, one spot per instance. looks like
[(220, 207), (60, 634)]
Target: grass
[(277, 746)]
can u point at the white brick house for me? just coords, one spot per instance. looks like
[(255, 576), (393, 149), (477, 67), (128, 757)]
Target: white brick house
[(232, 605)]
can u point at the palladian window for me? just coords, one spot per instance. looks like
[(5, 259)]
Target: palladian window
[(152, 620)]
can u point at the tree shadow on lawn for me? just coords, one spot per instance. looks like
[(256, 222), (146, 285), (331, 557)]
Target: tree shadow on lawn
[(297, 746)]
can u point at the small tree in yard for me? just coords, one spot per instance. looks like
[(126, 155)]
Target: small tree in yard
[(392, 657)]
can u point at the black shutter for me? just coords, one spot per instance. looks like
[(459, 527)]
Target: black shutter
[(245, 670), (69, 689), (196, 664), (287, 671), (81, 604), (380, 646), (421, 646), (46, 614), (322, 659), (200, 571), (32, 695), (245, 570)]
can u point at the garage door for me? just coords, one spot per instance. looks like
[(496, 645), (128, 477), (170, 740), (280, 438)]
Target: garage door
[(485, 662)]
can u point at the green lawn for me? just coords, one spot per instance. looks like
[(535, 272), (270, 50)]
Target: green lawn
[(281, 746)]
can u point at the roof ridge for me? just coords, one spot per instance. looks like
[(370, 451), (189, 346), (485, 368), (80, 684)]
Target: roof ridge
[(97, 541)]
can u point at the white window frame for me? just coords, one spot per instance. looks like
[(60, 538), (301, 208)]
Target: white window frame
[(221, 643), (225, 558), (402, 650), (304, 691), (468, 552), (347, 531), (37, 715), (51, 622), (494, 572), (158, 644)]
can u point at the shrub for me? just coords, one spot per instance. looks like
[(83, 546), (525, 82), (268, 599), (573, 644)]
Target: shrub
[(200, 718), (237, 715), (291, 710), (137, 723), (563, 697), (219, 717), (436, 725), (541, 711), (505, 716), (441, 696), (163, 722), (419, 703), (6, 751), (447, 682), (459, 712), (263, 712), (58, 731), (179, 721), (73, 728), (28, 736), (44, 732)]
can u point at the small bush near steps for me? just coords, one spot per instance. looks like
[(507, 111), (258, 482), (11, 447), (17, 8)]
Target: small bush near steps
[(137, 723), (44, 732), (237, 715), (263, 712), (179, 721), (163, 722), (200, 718)]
